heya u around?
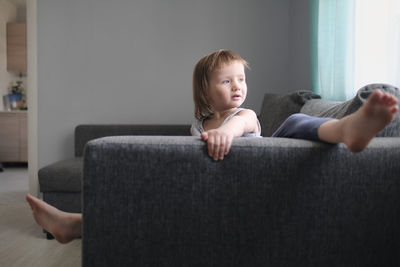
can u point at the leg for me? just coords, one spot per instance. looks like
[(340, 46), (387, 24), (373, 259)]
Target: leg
[(301, 126), (62, 225), (356, 130)]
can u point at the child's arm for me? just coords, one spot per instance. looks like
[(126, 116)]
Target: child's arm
[(219, 140)]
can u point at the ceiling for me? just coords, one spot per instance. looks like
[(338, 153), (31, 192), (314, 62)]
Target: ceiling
[(18, 3)]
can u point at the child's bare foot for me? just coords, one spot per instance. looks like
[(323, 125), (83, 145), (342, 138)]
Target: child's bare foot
[(363, 125), (62, 225)]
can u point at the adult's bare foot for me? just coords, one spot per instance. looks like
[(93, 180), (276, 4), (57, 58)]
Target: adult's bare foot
[(62, 225), (363, 125)]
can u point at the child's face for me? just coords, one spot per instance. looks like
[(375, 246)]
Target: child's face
[(228, 87)]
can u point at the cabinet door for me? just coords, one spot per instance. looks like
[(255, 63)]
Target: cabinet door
[(16, 47), (9, 138)]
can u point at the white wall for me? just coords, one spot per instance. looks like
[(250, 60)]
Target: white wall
[(8, 13), (21, 14), (131, 61)]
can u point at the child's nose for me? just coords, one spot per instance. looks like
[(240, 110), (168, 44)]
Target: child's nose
[(235, 86)]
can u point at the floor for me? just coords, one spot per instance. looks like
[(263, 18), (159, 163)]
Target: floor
[(22, 241)]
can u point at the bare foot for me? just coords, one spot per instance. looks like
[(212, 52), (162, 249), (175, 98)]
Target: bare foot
[(360, 127), (62, 225)]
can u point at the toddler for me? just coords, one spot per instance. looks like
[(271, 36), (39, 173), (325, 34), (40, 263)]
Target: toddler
[(219, 89)]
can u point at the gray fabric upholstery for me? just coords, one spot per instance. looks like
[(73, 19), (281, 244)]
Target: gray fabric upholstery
[(325, 108), (62, 176), (270, 202), (61, 182), (66, 201), (277, 108), (85, 133)]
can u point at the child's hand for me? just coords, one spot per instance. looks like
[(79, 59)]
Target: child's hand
[(218, 142)]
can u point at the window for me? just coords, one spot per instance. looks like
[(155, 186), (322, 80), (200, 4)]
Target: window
[(353, 43), (377, 42)]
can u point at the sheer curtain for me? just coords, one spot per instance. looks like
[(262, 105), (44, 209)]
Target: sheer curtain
[(353, 43), (332, 48)]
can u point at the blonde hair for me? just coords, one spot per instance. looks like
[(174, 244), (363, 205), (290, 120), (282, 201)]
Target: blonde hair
[(201, 78)]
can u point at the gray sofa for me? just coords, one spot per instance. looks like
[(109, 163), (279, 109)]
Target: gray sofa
[(161, 201), (61, 182)]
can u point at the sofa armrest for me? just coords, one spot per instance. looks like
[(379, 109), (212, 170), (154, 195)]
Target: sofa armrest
[(161, 201)]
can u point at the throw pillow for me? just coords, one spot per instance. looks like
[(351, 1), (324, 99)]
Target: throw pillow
[(276, 108)]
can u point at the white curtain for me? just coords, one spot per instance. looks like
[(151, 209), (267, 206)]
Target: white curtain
[(377, 42)]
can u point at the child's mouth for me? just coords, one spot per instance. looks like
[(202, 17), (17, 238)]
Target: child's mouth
[(236, 96)]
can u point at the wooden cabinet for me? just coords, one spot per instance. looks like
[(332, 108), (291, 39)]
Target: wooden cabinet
[(16, 47), (13, 136)]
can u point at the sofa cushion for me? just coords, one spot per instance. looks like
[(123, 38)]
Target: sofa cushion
[(332, 109), (276, 108), (62, 176)]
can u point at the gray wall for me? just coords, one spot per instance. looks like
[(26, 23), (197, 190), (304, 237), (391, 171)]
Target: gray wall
[(299, 39), (126, 61)]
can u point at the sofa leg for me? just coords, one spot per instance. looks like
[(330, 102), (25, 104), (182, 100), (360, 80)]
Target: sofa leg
[(48, 235)]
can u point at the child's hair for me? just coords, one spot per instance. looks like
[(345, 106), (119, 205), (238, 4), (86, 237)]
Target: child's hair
[(201, 78)]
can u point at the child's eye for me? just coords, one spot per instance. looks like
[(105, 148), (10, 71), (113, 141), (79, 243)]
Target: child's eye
[(225, 81), (241, 79)]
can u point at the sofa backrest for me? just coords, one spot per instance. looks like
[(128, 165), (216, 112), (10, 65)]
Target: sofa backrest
[(85, 133), (270, 202)]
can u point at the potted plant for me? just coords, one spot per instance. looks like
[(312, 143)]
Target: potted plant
[(16, 96)]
